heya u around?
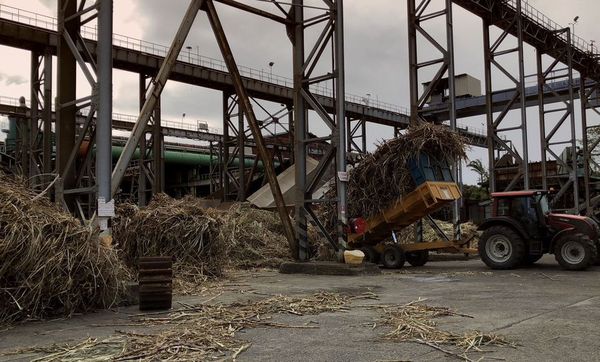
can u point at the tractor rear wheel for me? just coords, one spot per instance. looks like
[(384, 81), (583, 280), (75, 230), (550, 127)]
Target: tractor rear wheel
[(417, 258), (500, 247), (393, 257), (371, 255), (575, 251)]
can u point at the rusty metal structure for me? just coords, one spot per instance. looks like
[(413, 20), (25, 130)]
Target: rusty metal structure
[(81, 151)]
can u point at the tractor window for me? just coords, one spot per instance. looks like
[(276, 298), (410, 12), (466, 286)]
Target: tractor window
[(516, 208), (542, 200), (503, 207)]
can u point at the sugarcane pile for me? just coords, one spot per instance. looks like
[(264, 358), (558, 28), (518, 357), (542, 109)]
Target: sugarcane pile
[(253, 237), (203, 241), (49, 263), (383, 177), (181, 228)]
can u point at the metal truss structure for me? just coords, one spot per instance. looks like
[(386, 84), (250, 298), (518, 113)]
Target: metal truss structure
[(330, 25), (557, 120), (357, 135), (83, 149), (86, 181), (495, 52), (590, 112), (151, 177), (420, 13), (240, 168), (557, 124)]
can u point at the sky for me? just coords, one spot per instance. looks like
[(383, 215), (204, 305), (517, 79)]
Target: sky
[(376, 55)]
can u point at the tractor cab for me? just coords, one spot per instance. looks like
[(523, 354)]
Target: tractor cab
[(530, 209)]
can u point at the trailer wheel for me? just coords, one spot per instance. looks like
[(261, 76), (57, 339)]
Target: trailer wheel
[(393, 257), (575, 252), (417, 258), (371, 255)]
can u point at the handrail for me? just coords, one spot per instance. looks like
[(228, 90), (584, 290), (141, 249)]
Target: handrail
[(187, 56), (544, 21)]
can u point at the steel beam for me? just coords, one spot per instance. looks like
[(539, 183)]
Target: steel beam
[(246, 106), (104, 121), (340, 122), (66, 91)]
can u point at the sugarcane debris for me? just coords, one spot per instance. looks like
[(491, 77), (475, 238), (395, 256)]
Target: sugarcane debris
[(197, 332), (416, 322)]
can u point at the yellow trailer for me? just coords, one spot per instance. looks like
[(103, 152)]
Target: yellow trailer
[(369, 234)]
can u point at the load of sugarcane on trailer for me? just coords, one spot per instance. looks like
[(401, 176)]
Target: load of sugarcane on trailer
[(406, 180)]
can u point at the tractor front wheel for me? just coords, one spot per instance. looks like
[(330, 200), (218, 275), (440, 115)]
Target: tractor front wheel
[(500, 247), (575, 251)]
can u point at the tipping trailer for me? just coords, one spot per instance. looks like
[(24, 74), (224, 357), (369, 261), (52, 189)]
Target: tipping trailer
[(435, 189)]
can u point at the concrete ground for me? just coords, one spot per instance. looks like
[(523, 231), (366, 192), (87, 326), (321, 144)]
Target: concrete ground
[(551, 314)]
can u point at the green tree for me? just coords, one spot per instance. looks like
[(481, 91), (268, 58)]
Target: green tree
[(483, 173)]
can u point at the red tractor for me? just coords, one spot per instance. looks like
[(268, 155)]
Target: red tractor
[(522, 229)]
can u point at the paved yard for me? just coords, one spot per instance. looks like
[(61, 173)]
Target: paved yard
[(551, 314)]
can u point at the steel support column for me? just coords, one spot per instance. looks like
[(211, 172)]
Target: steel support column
[(590, 106), (104, 121), (66, 90), (330, 30), (557, 128), (75, 163), (497, 123), (420, 13)]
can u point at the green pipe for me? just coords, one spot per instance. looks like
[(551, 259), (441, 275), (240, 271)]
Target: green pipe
[(185, 158)]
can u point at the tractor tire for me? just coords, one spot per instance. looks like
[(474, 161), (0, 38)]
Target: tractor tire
[(575, 252), (500, 247), (393, 257), (417, 258), (531, 259), (371, 255)]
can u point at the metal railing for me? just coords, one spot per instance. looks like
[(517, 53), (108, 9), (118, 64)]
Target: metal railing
[(187, 56), (541, 19), (186, 126)]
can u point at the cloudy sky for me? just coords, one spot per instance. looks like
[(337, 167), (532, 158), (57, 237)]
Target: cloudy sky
[(375, 42)]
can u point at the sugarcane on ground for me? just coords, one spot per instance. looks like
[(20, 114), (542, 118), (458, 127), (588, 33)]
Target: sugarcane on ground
[(544, 312)]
